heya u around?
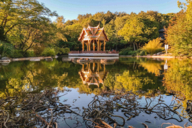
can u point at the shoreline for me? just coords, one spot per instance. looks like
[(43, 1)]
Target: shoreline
[(49, 57), (156, 57), (25, 59), (160, 57)]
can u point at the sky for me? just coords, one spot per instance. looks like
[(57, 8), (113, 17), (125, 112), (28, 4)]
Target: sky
[(70, 9)]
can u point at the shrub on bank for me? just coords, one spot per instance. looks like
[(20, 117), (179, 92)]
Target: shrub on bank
[(6, 49), (20, 54), (141, 52), (126, 51), (153, 46), (48, 52), (16, 54), (38, 50), (30, 53), (62, 51), (130, 51)]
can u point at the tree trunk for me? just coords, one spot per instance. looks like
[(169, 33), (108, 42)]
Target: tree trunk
[(134, 46)]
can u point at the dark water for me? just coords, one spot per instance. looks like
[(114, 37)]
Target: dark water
[(163, 86)]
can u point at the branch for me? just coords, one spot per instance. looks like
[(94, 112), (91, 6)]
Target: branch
[(30, 31), (29, 47), (10, 29)]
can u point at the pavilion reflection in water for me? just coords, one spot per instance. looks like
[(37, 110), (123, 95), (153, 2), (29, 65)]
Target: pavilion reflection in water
[(93, 72)]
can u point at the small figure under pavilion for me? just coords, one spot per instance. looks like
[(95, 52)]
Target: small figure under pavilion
[(93, 36)]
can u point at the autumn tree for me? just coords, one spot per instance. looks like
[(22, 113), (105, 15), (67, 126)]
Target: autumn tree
[(139, 30), (179, 32)]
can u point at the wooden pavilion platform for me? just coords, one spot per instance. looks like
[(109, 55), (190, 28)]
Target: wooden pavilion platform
[(93, 54)]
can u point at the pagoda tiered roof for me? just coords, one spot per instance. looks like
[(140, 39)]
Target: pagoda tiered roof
[(93, 33)]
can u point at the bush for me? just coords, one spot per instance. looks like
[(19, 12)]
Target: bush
[(20, 53), (153, 46), (16, 54), (6, 49), (129, 51), (63, 51), (30, 53), (67, 50), (38, 50), (126, 51), (48, 52), (141, 52)]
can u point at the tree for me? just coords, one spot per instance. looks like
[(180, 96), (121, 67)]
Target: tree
[(179, 32), (113, 23), (37, 33), (132, 31), (20, 12), (139, 30)]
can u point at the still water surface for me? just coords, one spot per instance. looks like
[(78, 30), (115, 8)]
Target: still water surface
[(161, 89)]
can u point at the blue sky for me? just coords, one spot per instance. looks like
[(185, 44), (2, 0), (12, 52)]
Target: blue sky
[(70, 9)]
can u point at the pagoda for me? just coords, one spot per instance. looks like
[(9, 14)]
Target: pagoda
[(94, 38), (93, 41)]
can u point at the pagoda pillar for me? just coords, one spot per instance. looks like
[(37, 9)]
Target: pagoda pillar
[(104, 67), (82, 45), (89, 67), (98, 49), (98, 66), (89, 45), (83, 67), (93, 67), (93, 45), (100, 45), (104, 46)]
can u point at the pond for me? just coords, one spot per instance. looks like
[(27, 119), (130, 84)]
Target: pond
[(79, 93)]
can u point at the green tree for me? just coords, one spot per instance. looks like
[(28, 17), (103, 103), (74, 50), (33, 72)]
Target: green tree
[(20, 12), (139, 30)]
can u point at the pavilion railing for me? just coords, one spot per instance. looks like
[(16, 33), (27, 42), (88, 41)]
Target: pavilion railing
[(94, 52)]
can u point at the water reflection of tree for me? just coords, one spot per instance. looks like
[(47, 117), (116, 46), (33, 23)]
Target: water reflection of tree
[(152, 67), (33, 76), (127, 74), (178, 79), (132, 77)]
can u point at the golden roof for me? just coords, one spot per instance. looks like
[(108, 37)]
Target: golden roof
[(92, 33)]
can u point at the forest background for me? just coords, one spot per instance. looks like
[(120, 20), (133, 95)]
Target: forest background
[(26, 30)]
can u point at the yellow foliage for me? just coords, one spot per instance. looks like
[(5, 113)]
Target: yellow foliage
[(152, 67), (189, 12), (131, 82), (153, 46), (178, 79)]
